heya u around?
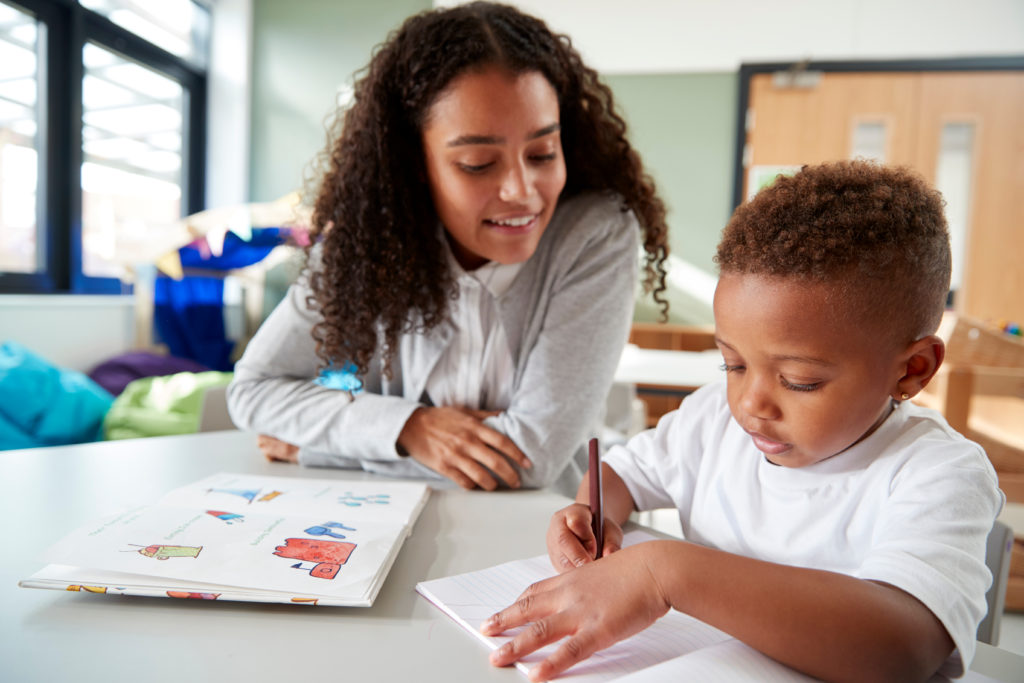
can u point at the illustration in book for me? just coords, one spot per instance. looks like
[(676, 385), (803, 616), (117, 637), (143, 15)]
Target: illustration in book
[(241, 537), (163, 552), (228, 517), (327, 556)]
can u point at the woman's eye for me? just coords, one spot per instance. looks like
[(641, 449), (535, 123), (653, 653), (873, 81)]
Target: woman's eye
[(794, 386), (730, 368), (543, 158), (474, 168)]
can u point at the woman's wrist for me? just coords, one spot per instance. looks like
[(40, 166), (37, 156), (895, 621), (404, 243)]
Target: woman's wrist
[(402, 442)]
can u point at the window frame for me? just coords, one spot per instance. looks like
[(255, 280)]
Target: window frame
[(65, 27)]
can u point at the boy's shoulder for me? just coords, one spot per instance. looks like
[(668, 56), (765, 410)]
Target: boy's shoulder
[(921, 441)]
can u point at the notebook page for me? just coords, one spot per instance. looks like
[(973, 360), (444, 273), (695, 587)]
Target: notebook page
[(472, 597), (727, 662)]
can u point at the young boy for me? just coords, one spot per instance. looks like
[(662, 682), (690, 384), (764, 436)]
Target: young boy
[(829, 523)]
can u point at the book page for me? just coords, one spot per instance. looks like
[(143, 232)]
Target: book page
[(246, 533), (308, 555), (355, 500), (472, 597)]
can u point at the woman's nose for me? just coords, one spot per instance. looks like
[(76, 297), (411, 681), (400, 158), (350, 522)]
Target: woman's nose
[(516, 184)]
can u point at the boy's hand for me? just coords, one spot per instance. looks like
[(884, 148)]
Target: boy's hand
[(455, 443), (567, 605), (571, 541)]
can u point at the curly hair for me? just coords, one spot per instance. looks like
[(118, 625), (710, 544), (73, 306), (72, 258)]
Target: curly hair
[(879, 232), (382, 268)]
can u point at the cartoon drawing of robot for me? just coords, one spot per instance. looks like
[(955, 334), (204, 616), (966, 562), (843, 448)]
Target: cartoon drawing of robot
[(327, 556), (325, 529), (163, 552)]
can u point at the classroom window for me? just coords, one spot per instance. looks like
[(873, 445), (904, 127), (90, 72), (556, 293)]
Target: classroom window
[(177, 26), (19, 95), (131, 160), (102, 119)]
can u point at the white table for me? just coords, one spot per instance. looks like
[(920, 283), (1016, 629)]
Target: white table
[(678, 371), (53, 636)]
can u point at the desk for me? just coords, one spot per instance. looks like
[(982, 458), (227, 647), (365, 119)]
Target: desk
[(51, 636), (678, 371), (661, 378)]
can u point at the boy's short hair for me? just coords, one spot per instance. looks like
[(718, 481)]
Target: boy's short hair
[(877, 232)]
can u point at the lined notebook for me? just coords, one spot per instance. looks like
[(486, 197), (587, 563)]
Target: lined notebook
[(676, 647), (245, 537)]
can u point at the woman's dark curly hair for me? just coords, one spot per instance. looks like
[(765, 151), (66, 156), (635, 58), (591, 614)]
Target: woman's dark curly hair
[(878, 232), (382, 266)]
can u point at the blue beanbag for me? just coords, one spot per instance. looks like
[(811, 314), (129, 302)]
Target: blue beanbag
[(43, 405)]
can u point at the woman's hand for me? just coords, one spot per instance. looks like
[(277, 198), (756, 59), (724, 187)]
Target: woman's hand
[(276, 450), (571, 541), (593, 607), (457, 444)]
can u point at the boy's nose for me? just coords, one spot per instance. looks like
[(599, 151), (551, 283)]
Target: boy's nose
[(757, 402)]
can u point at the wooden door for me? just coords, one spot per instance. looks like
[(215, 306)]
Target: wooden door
[(962, 131)]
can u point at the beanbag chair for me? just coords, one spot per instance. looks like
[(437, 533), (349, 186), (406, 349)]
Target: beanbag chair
[(158, 406), (115, 374), (45, 405)]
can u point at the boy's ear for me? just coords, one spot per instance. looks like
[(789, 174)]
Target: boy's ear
[(922, 361)]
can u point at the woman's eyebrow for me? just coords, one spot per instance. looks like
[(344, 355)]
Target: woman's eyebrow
[(546, 130), (497, 140)]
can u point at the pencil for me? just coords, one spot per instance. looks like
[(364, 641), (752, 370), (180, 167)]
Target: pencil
[(596, 499)]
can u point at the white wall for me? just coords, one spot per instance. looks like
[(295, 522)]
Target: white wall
[(229, 101), (73, 331), (658, 36)]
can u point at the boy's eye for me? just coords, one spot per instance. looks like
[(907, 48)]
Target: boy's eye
[(793, 386)]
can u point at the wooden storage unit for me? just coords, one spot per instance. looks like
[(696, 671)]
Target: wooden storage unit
[(660, 399)]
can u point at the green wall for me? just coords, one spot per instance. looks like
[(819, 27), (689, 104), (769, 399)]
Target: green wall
[(684, 126), (303, 50)]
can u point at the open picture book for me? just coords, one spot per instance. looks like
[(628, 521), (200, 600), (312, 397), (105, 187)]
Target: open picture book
[(245, 537)]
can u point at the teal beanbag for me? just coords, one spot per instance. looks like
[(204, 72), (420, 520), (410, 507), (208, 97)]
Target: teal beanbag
[(44, 405)]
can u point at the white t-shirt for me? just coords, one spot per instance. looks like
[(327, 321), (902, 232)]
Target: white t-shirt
[(911, 505)]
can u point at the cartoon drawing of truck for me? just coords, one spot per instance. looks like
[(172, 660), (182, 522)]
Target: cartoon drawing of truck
[(328, 556)]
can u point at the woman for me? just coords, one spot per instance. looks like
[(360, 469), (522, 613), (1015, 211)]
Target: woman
[(472, 286)]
